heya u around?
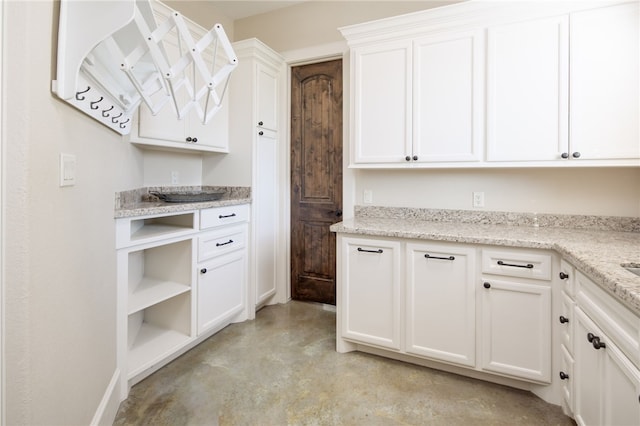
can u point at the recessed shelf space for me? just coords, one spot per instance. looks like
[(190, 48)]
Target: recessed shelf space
[(162, 226), (157, 331), (159, 273)]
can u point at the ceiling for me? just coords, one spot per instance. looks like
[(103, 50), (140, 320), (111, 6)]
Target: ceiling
[(239, 9)]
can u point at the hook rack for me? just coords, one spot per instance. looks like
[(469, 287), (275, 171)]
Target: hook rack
[(116, 51)]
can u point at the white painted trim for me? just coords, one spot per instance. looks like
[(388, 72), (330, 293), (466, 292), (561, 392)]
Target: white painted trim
[(108, 407), (314, 54), (3, 139)]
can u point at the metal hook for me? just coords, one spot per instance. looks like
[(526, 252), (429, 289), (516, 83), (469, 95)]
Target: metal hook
[(92, 106), (82, 98), (105, 112), (122, 125), (113, 120)]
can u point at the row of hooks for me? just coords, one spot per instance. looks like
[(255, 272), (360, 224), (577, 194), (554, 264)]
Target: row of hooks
[(105, 112)]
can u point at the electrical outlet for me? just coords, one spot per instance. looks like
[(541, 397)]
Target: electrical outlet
[(478, 199), (175, 178), (367, 196)]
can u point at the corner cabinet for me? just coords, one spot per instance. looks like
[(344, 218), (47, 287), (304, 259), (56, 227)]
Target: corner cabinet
[(419, 82), (181, 277)]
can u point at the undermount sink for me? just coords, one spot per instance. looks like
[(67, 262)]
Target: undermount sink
[(632, 267)]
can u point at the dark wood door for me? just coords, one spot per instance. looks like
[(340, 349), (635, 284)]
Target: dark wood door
[(316, 179)]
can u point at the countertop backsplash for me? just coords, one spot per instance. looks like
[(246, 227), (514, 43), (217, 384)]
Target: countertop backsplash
[(595, 223)]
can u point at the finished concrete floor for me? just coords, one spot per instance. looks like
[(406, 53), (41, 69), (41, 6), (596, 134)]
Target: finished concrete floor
[(282, 369)]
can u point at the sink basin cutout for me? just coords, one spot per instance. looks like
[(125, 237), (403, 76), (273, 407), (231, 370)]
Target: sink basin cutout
[(632, 267)]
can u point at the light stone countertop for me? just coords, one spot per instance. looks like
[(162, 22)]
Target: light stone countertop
[(597, 253), (138, 202)]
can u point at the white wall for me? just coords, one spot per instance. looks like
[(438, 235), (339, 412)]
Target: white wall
[(159, 165), (590, 191), (60, 265)]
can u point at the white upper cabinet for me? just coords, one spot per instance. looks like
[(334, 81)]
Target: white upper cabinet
[(497, 84), (604, 83), (448, 97), (381, 79), (267, 96), (527, 90)]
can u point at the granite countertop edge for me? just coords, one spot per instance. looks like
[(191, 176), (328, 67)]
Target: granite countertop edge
[(596, 253), (140, 202)]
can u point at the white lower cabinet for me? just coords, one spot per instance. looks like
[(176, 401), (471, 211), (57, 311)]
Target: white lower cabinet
[(606, 374), (371, 292), (516, 329), (166, 303), (221, 288), (440, 302), (427, 300)]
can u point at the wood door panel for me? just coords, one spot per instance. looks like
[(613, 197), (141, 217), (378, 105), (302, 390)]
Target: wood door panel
[(316, 178)]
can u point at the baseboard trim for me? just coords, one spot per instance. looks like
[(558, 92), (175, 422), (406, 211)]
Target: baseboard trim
[(108, 407)]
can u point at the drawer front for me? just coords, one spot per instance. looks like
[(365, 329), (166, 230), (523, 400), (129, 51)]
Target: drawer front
[(517, 264), (220, 216), (220, 242), (617, 322), (567, 277)]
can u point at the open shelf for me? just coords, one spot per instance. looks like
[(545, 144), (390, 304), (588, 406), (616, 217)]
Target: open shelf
[(150, 291), (163, 226), (157, 331), (159, 273)]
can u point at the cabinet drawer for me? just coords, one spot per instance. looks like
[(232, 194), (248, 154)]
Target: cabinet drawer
[(617, 322), (223, 241), (566, 320), (517, 264), (219, 216)]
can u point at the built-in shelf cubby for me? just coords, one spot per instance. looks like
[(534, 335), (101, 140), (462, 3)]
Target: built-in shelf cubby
[(144, 229), (159, 305)]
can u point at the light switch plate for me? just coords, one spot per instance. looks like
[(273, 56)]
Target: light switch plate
[(67, 169)]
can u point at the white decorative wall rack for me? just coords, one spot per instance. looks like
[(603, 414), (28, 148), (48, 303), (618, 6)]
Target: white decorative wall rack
[(111, 57)]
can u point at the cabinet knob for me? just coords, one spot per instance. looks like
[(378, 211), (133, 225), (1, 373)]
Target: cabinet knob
[(486, 285), (563, 375), (563, 276), (407, 158), (415, 158), (563, 319), (188, 139), (203, 270), (595, 341), (261, 133), (564, 155), (260, 123), (576, 154)]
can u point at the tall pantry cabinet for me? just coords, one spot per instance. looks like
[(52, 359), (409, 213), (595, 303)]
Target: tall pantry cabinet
[(254, 132)]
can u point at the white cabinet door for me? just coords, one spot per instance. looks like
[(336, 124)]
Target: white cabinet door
[(516, 329), (607, 384), (448, 101), (220, 293), (440, 302), (382, 93), (266, 96), (527, 90), (265, 212), (371, 292), (605, 51)]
